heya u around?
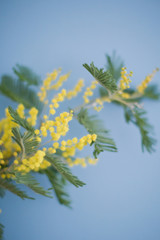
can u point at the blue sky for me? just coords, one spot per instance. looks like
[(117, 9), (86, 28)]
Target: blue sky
[(122, 196)]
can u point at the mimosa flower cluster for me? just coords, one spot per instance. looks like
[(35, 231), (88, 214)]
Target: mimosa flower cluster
[(34, 163), (7, 145), (125, 82), (51, 127), (54, 128), (89, 91), (141, 88)]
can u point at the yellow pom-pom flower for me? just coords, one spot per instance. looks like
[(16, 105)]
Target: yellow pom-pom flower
[(89, 91), (141, 88)]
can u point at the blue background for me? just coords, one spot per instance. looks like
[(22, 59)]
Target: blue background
[(122, 197)]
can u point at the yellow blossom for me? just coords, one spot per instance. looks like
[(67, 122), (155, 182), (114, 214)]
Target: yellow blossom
[(33, 116), (99, 104), (20, 110), (36, 131), (76, 90), (47, 84), (58, 98), (141, 88), (55, 144), (89, 91), (69, 147), (125, 79), (33, 163), (60, 81), (125, 95)]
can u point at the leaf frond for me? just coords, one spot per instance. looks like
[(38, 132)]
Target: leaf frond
[(19, 92), (2, 192), (21, 121), (25, 74), (114, 65), (103, 77), (27, 142), (152, 92), (58, 163), (95, 126), (29, 181), (14, 189), (1, 231), (58, 183), (138, 117)]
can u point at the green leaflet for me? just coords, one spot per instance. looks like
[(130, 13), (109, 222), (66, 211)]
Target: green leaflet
[(1, 231), (59, 164), (2, 192), (103, 92), (94, 125), (30, 142), (21, 121), (27, 141), (29, 181), (19, 92), (152, 92), (114, 65), (14, 189), (137, 117), (103, 77), (25, 74), (58, 184)]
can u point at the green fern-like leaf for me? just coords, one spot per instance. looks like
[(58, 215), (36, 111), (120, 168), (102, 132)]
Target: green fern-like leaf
[(19, 92), (59, 164), (114, 65), (1, 231), (95, 126), (103, 77), (152, 92), (58, 183), (103, 92), (14, 189), (2, 192), (30, 142), (27, 141), (20, 121), (138, 118), (29, 181), (25, 74)]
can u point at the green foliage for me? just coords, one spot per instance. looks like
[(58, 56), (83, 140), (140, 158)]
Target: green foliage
[(14, 189), (94, 125), (27, 141), (30, 142), (17, 119), (17, 137), (114, 65), (59, 164), (2, 192), (103, 92), (58, 185), (19, 92), (25, 74), (29, 181), (103, 77), (1, 230), (137, 116), (152, 92)]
